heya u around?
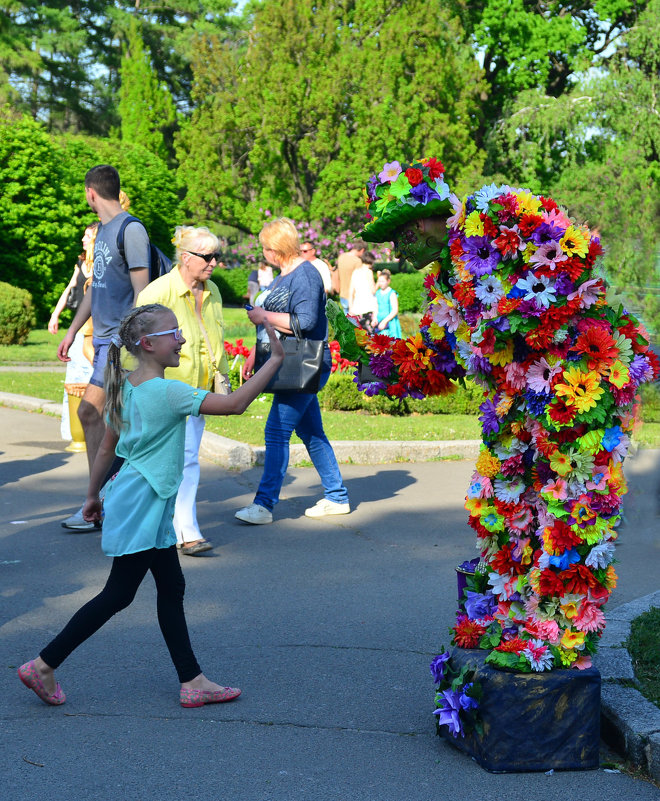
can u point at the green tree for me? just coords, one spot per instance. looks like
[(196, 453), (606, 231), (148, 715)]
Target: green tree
[(145, 106), (293, 115), (43, 211)]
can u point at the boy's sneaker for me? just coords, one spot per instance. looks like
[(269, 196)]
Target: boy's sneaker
[(325, 507), (78, 523), (254, 514)]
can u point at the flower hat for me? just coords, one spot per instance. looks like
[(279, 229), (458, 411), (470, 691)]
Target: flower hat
[(402, 192)]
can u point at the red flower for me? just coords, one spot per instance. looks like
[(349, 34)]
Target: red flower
[(529, 223), (464, 294), (512, 646), (467, 633), (550, 583), (507, 243), (560, 413), (436, 168), (456, 250), (561, 537), (548, 203), (490, 229), (414, 175), (507, 305), (578, 579), (598, 346)]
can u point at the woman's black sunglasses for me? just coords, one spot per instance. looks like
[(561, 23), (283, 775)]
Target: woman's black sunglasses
[(208, 257)]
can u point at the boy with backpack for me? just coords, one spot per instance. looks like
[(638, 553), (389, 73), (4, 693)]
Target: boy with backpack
[(121, 271)]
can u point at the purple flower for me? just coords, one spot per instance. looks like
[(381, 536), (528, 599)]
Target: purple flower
[(448, 712), (480, 364), (381, 364), (424, 193), (370, 388), (480, 256), (479, 606), (437, 667), (640, 369), (488, 417), (371, 188), (546, 232)]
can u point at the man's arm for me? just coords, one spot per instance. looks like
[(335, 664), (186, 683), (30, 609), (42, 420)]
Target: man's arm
[(139, 280)]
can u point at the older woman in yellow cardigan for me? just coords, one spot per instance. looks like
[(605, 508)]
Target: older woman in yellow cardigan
[(197, 304)]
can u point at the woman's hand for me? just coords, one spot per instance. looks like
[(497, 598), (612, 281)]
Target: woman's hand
[(248, 364), (276, 349), (257, 315), (53, 324)]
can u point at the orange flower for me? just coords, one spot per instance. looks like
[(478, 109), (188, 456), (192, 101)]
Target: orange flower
[(598, 346)]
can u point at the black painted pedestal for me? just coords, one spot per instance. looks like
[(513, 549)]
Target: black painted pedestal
[(533, 721)]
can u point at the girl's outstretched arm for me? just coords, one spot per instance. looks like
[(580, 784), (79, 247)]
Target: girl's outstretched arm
[(104, 457), (241, 398)]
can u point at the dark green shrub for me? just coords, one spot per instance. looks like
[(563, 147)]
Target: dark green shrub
[(232, 285), (341, 394), (16, 314), (410, 289), (465, 400)]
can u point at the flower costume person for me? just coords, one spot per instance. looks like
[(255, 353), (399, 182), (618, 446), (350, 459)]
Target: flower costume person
[(514, 304)]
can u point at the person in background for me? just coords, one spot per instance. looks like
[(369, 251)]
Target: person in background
[(361, 300), (265, 275), (79, 368), (387, 302), (298, 290), (146, 416), (252, 286), (346, 263), (309, 252), (196, 301), (116, 282)]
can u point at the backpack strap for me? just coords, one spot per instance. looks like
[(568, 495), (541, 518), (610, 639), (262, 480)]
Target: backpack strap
[(120, 234)]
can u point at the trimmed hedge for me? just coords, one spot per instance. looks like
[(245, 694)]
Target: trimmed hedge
[(410, 289), (341, 394), (232, 284), (17, 317)]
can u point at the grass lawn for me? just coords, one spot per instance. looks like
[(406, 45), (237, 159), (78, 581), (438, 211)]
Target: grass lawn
[(644, 648)]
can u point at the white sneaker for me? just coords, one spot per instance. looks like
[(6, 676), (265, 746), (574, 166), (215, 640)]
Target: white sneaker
[(325, 507), (254, 514), (78, 523)]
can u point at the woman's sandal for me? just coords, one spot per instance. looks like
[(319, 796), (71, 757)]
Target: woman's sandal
[(30, 677), (196, 548), (192, 698)]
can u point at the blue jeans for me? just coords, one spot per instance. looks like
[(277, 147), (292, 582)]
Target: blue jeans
[(299, 412)]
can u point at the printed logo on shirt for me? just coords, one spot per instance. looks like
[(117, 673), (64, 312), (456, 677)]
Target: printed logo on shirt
[(102, 258)]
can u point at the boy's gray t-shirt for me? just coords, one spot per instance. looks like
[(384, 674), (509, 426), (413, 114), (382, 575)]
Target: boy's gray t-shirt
[(113, 295)]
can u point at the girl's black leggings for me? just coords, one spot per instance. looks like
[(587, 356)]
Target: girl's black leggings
[(125, 577)]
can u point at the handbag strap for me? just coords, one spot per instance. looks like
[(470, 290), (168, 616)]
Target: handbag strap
[(205, 334)]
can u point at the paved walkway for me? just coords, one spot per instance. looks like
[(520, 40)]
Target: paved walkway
[(327, 625)]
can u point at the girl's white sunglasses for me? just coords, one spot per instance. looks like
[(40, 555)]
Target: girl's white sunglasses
[(178, 334)]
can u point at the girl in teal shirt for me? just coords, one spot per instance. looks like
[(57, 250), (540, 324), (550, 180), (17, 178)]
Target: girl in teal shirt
[(146, 416)]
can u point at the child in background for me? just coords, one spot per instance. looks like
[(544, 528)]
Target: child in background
[(387, 301), (146, 416), (361, 301)]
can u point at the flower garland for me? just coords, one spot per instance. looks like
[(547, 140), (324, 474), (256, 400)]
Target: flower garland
[(515, 305)]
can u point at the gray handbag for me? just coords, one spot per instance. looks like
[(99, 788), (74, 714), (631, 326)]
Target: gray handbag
[(303, 361)]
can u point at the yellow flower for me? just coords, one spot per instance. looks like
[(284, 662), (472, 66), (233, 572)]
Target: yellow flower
[(476, 506), (567, 657), (361, 337), (590, 442), (527, 202), (502, 356), (474, 225), (581, 389), (575, 241), (437, 332), (560, 463), (569, 611), (502, 408), (619, 374), (487, 464), (572, 639)]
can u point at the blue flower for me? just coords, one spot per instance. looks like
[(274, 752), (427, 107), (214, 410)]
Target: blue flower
[(466, 701), (611, 438), (479, 606), (437, 667)]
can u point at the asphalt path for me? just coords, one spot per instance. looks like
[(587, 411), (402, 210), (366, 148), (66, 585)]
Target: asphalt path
[(327, 625)]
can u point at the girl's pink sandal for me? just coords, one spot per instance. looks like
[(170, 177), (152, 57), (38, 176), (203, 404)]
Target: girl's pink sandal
[(191, 698), (29, 675)]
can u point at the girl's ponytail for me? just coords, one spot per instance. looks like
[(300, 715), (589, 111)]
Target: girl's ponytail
[(113, 379)]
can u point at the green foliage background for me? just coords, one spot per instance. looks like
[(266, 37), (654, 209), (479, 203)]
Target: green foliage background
[(221, 118)]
